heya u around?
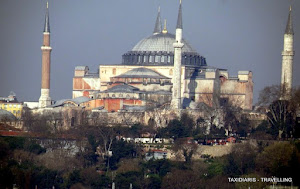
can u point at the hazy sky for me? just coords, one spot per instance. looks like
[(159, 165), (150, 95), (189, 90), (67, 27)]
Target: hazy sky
[(232, 34)]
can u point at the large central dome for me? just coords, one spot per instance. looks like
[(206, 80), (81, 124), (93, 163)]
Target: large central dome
[(158, 50), (161, 42)]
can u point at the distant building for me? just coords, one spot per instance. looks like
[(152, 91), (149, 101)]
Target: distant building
[(162, 68), (12, 105), (156, 154)]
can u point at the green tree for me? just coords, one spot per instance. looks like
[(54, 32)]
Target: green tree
[(241, 160), (275, 160)]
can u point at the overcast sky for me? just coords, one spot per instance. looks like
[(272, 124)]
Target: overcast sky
[(231, 34)]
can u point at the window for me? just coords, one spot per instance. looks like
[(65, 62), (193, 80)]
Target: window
[(169, 59), (145, 58), (157, 59), (151, 58)]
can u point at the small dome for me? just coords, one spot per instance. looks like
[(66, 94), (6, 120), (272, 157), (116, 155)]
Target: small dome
[(6, 116), (160, 42)]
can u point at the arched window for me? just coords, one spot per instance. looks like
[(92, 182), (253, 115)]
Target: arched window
[(151, 58), (162, 59), (169, 59), (157, 59)]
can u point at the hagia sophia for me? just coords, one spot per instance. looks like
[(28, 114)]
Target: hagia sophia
[(161, 70), (156, 68)]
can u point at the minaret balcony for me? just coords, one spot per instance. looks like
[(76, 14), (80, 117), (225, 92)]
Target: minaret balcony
[(46, 48), (288, 53), (178, 45)]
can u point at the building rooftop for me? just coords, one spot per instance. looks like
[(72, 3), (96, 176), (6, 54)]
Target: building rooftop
[(142, 73), (122, 89)]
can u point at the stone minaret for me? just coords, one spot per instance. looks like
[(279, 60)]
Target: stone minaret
[(176, 93), (45, 99), (287, 60)]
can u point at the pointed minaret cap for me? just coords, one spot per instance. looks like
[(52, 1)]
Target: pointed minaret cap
[(157, 28), (47, 25), (289, 26), (179, 19)]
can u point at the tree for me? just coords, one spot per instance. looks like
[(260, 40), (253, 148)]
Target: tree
[(282, 114), (186, 148), (241, 160), (280, 118), (122, 149), (158, 167), (268, 95), (275, 160), (178, 179)]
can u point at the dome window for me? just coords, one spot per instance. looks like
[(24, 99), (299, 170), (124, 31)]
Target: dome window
[(157, 59), (151, 59), (169, 59), (145, 58)]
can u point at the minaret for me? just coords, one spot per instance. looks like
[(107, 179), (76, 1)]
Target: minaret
[(157, 27), (287, 60), (45, 99), (176, 93)]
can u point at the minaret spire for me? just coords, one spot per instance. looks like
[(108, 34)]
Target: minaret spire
[(289, 25), (47, 25), (157, 27), (287, 60), (179, 19)]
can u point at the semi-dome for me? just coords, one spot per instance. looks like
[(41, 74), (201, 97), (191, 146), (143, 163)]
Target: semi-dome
[(141, 73), (160, 42)]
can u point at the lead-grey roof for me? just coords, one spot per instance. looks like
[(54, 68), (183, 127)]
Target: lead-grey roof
[(6, 115), (77, 101), (161, 42), (81, 68), (123, 89), (142, 73), (289, 26), (179, 19)]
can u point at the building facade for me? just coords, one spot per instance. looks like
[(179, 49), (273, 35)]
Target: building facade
[(11, 105), (163, 69)]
